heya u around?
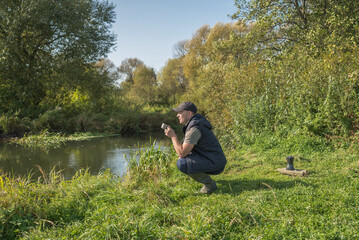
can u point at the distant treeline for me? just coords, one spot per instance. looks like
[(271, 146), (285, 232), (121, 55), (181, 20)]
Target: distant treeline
[(287, 70)]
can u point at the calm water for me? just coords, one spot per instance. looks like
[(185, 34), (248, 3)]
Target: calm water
[(95, 154)]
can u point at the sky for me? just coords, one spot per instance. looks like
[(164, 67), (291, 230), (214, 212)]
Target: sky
[(149, 29)]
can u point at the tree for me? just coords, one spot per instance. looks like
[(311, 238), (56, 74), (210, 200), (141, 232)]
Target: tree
[(314, 23), (201, 49), (144, 88), (172, 80), (104, 78), (127, 68), (204, 49), (46, 45), (107, 67), (180, 49)]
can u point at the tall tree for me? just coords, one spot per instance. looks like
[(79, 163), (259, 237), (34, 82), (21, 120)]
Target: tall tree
[(41, 40), (144, 88), (107, 67), (179, 50), (315, 23), (127, 68), (173, 82)]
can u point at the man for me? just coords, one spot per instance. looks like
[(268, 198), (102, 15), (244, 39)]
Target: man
[(200, 153)]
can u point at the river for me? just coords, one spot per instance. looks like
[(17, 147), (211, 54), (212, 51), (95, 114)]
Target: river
[(95, 155)]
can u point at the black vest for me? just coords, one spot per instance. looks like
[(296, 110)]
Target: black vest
[(207, 156)]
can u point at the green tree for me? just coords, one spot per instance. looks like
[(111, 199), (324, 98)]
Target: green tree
[(107, 67), (104, 76), (127, 68), (196, 52), (293, 70), (173, 82), (144, 87), (126, 71), (47, 45), (203, 65), (314, 23)]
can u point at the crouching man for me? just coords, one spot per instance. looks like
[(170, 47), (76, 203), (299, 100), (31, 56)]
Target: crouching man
[(200, 154)]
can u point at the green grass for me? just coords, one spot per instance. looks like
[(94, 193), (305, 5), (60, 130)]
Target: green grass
[(155, 201)]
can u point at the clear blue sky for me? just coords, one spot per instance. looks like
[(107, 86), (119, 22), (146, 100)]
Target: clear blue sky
[(149, 29)]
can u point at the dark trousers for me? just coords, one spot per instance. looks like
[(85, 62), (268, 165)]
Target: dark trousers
[(182, 166)]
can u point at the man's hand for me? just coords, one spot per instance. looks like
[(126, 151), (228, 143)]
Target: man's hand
[(182, 149), (169, 132)]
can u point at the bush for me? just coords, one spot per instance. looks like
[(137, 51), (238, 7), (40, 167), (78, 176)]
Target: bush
[(14, 125)]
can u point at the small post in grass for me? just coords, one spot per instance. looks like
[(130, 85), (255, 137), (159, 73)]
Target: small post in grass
[(290, 170)]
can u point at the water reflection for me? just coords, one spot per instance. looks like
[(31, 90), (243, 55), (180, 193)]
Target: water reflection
[(96, 155)]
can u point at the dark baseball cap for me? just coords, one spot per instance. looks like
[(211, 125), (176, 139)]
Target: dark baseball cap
[(186, 106)]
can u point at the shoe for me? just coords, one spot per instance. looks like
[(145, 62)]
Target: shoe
[(209, 185), (208, 188)]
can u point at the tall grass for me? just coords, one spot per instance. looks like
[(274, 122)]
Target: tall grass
[(149, 163)]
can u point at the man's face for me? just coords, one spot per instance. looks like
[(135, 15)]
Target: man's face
[(184, 116)]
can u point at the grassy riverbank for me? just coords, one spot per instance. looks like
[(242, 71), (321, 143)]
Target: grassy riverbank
[(155, 201)]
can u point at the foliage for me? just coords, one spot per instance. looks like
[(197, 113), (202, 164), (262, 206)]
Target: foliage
[(300, 92), (13, 124), (144, 88), (81, 119), (284, 68), (128, 67), (282, 24), (173, 82), (48, 46), (140, 84)]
